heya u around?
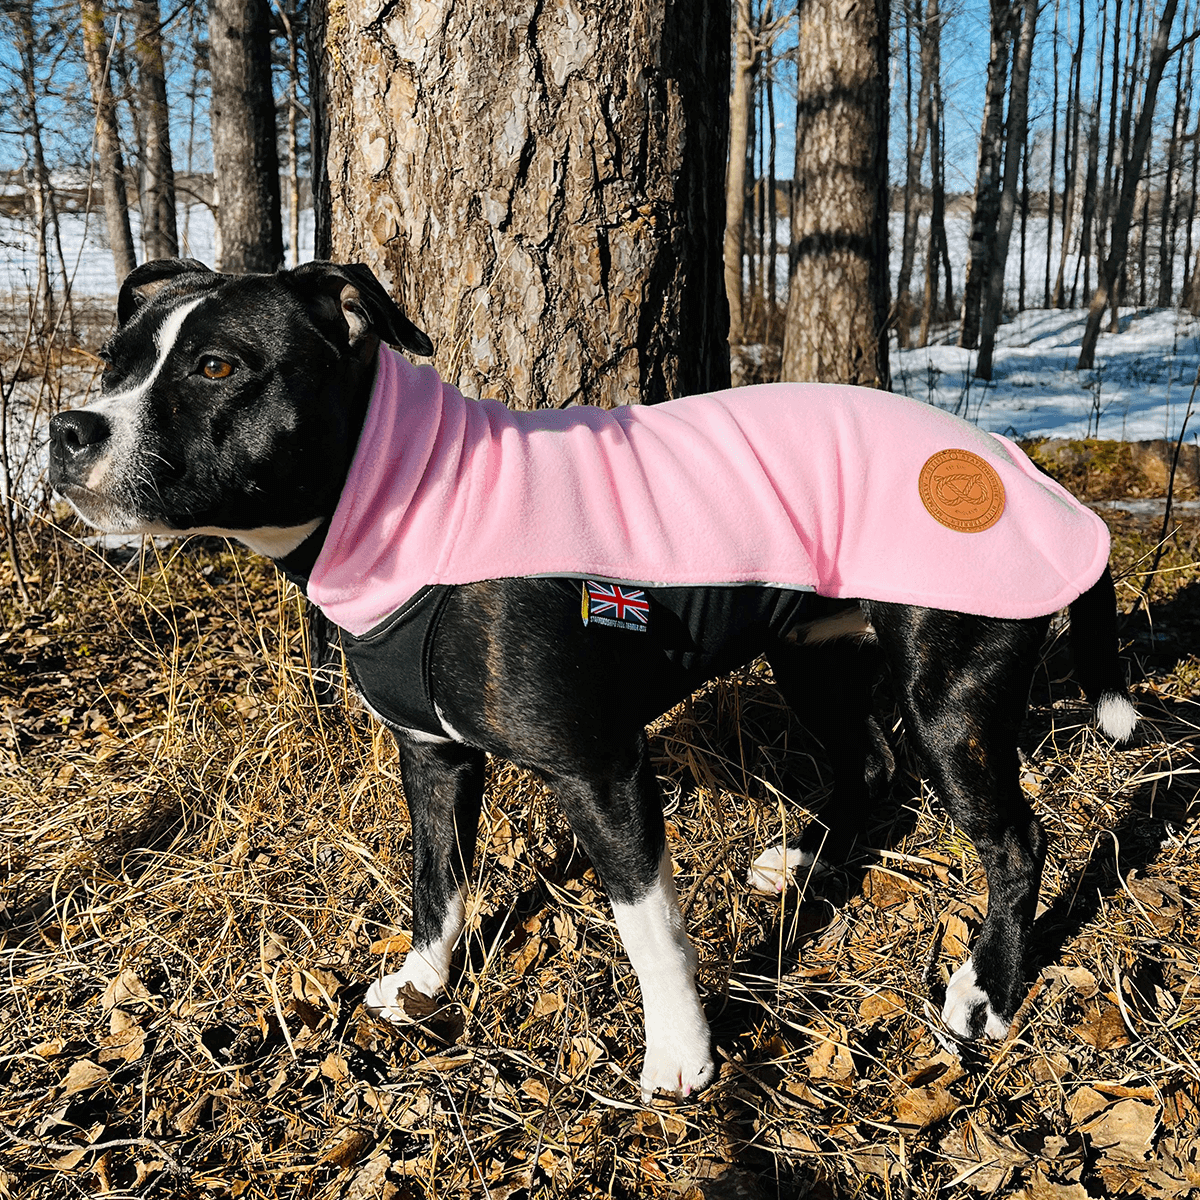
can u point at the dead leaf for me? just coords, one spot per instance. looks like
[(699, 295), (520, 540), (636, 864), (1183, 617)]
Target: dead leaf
[(126, 988), (831, 1060), (1103, 1027), (526, 955), (83, 1076), (127, 1045), (919, 1108), (546, 1003), (335, 1067), (1125, 1131), (1085, 1104), (536, 1090), (881, 1005), (956, 937), (584, 1055), (887, 889), (348, 1147), (399, 943)]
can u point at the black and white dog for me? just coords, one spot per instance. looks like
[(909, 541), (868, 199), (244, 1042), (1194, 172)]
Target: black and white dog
[(233, 405)]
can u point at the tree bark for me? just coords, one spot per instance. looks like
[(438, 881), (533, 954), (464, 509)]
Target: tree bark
[(735, 180), (836, 327), (912, 191), (1131, 171), (981, 247), (245, 155), (159, 234), (1166, 229), (1054, 151), (541, 187), (1018, 110), (111, 164), (931, 64), (1071, 162)]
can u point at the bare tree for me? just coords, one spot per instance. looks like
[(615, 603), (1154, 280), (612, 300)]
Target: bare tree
[(735, 179), (931, 63), (159, 233), (245, 155), (912, 180), (1131, 168), (981, 247), (541, 186), (108, 139), (993, 291), (837, 314)]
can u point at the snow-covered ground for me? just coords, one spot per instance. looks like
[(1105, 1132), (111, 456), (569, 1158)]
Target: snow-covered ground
[(1139, 389)]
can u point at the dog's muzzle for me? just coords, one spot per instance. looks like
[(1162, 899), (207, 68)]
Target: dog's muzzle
[(77, 440)]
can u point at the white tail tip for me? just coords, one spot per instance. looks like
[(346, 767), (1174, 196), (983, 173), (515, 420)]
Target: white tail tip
[(1116, 716)]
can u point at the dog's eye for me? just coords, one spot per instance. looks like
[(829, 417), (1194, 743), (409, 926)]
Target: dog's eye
[(215, 368)]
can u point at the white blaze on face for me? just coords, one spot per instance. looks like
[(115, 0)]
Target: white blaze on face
[(126, 410)]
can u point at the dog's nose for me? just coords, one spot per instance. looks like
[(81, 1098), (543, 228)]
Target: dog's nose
[(77, 431)]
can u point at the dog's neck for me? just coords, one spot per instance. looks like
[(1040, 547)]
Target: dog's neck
[(297, 564)]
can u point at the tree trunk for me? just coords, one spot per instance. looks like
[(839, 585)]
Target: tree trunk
[(912, 191), (931, 65), (1132, 169), (981, 247), (287, 14), (245, 156), (735, 179), (108, 139), (838, 305), (1024, 215), (1054, 152), (1071, 158), (159, 235), (539, 186), (1166, 229), (1018, 109)]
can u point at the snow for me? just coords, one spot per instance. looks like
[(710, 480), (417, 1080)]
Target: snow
[(1139, 389)]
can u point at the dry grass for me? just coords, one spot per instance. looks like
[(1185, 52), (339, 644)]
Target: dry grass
[(203, 869)]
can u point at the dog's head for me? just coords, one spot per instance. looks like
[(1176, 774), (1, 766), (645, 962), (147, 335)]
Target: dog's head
[(229, 403)]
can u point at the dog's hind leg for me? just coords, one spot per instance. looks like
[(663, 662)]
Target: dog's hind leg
[(616, 813), (443, 783), (963, 686), (828, 687)]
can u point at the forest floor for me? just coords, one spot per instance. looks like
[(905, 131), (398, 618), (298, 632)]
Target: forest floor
[(203, 869)]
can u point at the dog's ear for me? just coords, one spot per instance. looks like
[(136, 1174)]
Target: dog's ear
[(364, 304), (142, 283)]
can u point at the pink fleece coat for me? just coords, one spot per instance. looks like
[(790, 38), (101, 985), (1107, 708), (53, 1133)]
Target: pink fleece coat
[(803, 486)]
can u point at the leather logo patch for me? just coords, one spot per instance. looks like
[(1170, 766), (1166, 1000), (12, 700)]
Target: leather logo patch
[(962, 491)]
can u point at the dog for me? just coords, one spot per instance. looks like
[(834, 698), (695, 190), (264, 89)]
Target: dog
[(249, 406)]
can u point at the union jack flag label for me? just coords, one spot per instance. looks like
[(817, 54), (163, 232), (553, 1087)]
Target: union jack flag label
[(615, 605)]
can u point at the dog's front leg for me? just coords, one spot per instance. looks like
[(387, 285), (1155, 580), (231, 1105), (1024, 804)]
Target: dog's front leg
[(443, 784), (618, 819)]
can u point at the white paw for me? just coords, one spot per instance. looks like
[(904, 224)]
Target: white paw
[(771, 872), (384, 998), (680, 1063), (967, 1007)]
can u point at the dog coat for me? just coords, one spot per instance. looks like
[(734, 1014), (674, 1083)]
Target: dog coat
[(844, 491)]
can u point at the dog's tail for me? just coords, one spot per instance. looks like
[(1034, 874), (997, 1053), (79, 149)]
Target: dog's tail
[(1098, 668)]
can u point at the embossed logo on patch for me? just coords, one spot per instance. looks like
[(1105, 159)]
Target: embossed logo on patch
[(962, 491)]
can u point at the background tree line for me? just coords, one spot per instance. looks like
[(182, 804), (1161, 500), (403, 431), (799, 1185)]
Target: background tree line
[(579, 202)]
